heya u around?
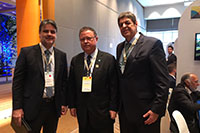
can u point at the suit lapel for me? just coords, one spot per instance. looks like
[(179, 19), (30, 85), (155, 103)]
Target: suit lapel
[(136, 49), (38, 55), (134, 52), (98, 62), (81, 64), (119, 52), (57, 62)]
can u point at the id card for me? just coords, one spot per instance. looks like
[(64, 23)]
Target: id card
[(87, 84), (49, 80)]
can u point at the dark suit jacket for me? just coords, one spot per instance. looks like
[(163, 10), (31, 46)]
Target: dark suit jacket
[(144, 83), (172, 82), (28, 82), (103, 97), (184, 102), (171, 59)]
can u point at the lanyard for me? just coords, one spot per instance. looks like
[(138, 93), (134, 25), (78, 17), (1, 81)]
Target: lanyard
[(86, 65), (128, 51), (45, 58)]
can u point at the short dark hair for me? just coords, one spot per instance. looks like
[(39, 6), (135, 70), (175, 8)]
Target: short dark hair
[(127, 15), (87, 28), (171, 67), (170, 46), (47, 21), (185, 77)]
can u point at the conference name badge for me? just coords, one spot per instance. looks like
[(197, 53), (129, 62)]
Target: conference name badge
[(87, 84), (49, 80)]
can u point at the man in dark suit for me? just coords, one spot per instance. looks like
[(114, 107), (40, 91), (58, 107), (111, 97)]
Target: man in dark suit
[(171, 57), (183, 99), (39, 84), (143, 79), (93, 86), (172, 75)]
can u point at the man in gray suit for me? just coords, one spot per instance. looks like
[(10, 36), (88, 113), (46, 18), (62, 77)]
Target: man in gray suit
[(93, 86), (143, 79), (39, 84)]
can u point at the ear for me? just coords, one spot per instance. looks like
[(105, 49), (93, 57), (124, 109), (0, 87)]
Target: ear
[(187, 82), (97, 38), (40, 34), (136, 23)]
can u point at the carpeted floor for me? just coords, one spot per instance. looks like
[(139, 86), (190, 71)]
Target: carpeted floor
[(67, 123)]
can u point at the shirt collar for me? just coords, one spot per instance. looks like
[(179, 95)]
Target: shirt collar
[(137, 35), (43, 47), (172, 76), (93, 54), (188, 90)]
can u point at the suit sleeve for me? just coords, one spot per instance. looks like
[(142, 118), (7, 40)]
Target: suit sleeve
[(72, 91), (113, 85), (64, 90), (184, 102), (18, 81), (160, 78)]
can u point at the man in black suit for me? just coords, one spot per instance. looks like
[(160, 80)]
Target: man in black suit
[(172, 75), (39, 84), (93, 86), (183, 99), (171, 57), (143, 79)]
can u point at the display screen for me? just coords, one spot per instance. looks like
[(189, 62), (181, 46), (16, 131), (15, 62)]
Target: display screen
[(197, 47)]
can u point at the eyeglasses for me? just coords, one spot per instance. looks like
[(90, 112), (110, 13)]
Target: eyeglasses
[(51, 31), (126, 23), (87, 38)]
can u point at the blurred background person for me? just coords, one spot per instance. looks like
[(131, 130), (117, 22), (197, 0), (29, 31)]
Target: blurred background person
[(184, 99), (172, 75), (171, 58)]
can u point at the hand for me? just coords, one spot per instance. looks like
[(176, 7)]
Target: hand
[(73, 112), (64, 110), (152, 117), (17, 116), (113, 114)]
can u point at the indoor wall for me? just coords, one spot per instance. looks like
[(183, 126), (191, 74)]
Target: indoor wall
[(185, 45), (102, 15)]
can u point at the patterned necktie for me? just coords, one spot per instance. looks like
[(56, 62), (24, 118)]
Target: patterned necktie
[(88, 63), (47, 66), (49, 90)]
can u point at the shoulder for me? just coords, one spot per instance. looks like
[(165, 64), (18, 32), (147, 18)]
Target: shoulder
[(78, 56), (59, 51), (149, 39), (179, 89), (105, 54), (120, 45), (174, 55), (30, 47)]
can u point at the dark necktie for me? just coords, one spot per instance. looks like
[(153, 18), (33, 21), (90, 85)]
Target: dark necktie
[(49, 90), (127, 45), (88, 63), (47, 66)]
